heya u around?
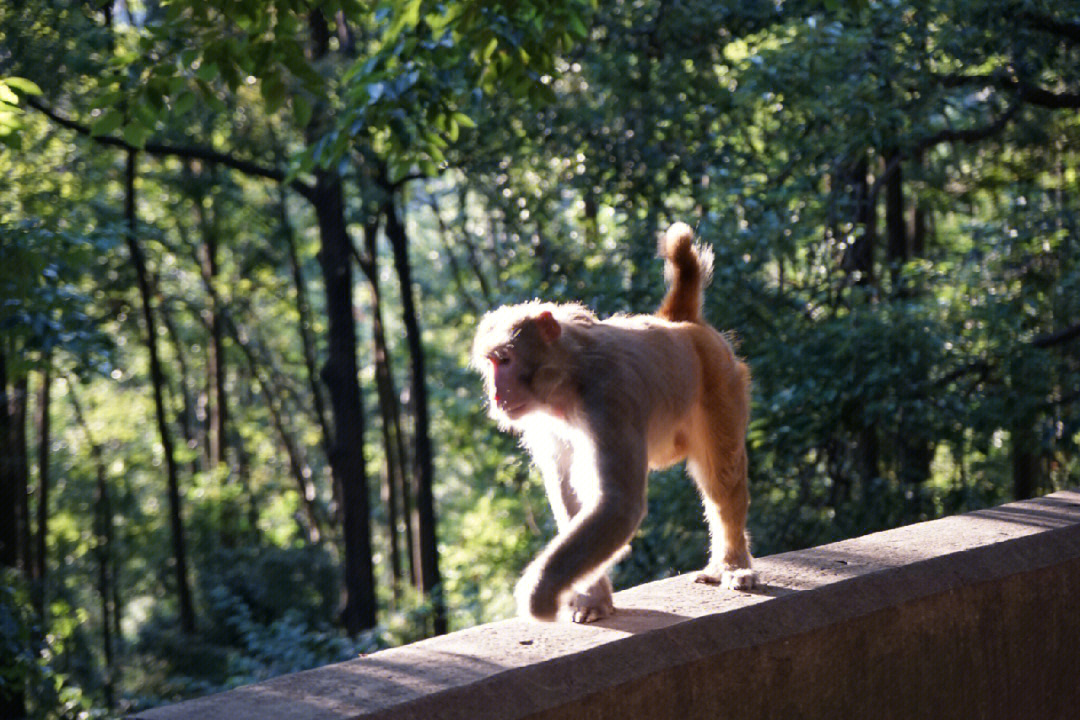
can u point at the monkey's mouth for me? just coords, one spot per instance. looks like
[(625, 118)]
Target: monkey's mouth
[(514, 411)]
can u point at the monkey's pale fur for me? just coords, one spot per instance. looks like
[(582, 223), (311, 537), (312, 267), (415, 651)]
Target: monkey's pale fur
[(599, 403)]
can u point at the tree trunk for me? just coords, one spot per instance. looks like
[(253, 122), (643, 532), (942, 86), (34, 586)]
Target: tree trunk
[(425, 542), (914, 450), (859, 258), (218, 405), (217, 413), (243, 461), (342, 384), (103, 549), (21, 471), (919, 222), (1026, 465), (187, 411), (895, 227), (389, 411), (157, 378), (298, 466), (303, 312), (12, 701), (43, 434), (470, 246)]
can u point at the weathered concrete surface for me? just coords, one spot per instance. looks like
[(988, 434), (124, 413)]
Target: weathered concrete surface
[(973, 616)]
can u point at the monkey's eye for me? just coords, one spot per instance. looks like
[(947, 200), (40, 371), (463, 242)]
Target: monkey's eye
[(500, 358)]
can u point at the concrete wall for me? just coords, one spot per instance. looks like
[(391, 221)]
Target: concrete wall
[(973, 616)]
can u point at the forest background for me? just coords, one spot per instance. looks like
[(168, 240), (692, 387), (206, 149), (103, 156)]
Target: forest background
[(244, 244)]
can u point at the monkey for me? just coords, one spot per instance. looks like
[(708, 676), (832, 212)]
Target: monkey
[(600, 403)]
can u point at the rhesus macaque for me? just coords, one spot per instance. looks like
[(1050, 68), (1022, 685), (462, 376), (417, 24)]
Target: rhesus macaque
[(599, 403)]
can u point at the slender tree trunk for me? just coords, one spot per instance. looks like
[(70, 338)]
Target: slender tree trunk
[(187, 411), (397, 452), (470, 247), (21, 471), (207, 253), (1026, 465), (10, 492), (425, 542), (44, 440), (859, 258), (157, 378), (103, 549), (340, 375), (457, 273), (13, 700), (858, 262), (298, 466), (218, 410), (303, 311), (389, 411), (243, 468), (919, 220), (895, 227), (914, 449), (117, 608)]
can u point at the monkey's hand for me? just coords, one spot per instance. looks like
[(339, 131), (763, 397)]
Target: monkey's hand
[(593, 604), (729, 578)]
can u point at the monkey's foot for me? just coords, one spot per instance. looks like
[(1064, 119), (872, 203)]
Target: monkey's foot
[(589, 607), (729, 578)]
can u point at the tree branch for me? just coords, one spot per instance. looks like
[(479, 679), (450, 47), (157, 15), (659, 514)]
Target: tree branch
[(1004, 80), (1057, 338), (1062, 28), (948, 135), (1047, 99), (193, 152)]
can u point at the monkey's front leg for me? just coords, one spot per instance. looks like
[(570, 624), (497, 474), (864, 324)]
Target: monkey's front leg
[(592, 541), (554, 456)]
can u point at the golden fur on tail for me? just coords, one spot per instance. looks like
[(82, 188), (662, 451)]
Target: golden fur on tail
[(688, 268)]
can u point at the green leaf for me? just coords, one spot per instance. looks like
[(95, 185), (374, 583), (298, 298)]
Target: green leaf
[(273, 91), (207, 72), (578, 27), (184, 102), (302, 110), (489, 49), (107, 123), (136, 134), (21, 85), (11, 139)]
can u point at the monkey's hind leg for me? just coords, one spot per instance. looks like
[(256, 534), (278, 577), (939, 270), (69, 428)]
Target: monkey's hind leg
[(721, 478)]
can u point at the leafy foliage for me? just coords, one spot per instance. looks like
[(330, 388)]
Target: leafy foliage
[(891, 191)]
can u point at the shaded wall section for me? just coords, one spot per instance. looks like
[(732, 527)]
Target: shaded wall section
[(972, 616)]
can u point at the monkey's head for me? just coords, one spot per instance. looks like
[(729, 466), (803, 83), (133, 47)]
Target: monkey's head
[(519, 352)]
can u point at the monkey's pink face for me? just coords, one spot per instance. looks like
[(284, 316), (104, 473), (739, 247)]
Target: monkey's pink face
[(509, 386)]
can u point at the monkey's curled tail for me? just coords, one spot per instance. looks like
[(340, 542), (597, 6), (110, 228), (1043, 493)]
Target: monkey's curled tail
[(687, 268)]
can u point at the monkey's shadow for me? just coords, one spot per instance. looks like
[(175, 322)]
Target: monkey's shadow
[(638, 620)]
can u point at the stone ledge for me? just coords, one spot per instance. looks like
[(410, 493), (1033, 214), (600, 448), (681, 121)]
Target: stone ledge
[(971, 616)]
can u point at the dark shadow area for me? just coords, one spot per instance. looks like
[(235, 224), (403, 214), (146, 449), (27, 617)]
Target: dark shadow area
[(773, 591), (638, 620), (337, 691), (1048, 513)]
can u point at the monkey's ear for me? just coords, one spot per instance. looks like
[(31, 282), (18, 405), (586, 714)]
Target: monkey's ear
[(548, 327)]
